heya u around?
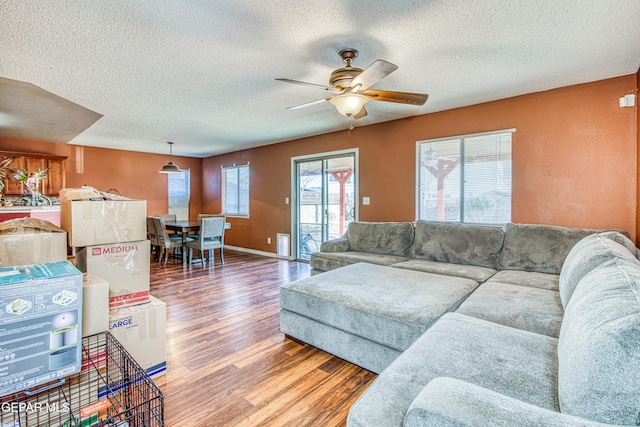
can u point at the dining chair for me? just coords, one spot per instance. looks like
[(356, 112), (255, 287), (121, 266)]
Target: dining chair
[(166, 241), (196, 235), (167, 217), (211, 238), (204, 215), (153, 236)]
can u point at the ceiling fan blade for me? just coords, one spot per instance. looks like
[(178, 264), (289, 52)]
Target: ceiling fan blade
[(399, 97), (361, 114), (373, 74), (307, 104), (297, 82)]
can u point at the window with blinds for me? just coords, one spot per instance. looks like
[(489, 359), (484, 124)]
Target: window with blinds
[(179, 194), (465, 179), (235, 190)]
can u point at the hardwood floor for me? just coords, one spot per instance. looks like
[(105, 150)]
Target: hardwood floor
[(228, 364)]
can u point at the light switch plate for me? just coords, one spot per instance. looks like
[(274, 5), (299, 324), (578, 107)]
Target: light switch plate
[(366, 201)]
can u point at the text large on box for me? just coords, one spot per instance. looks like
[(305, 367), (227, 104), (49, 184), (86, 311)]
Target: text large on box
[(141, 329)]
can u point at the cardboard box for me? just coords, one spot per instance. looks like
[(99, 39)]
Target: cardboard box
[(95, 305), (125, 266), (91, 217), (25, 241), (141, 329), (40, 324)]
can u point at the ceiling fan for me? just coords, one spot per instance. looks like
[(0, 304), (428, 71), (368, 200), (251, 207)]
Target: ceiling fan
[(351, 87)]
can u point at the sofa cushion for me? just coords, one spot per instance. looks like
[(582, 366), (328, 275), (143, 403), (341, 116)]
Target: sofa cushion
[(390, 306), (599, 346), (527, 278), (326, 261), (473, 272), (522, 307), (586, 255), (388, 238), (510, 361), (458, 243), (621, 238), (541, 248)]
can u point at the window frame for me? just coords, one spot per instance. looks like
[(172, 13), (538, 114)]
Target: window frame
[(186, 175), (462, 139), (223, 187)]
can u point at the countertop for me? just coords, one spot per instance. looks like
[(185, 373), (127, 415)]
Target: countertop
[(12, 209)]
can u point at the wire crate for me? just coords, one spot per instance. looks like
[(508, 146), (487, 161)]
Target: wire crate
[(111, 390)]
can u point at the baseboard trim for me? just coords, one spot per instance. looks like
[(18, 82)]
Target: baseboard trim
[(252, 251)]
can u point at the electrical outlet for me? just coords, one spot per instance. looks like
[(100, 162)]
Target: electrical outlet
[(268, 240)]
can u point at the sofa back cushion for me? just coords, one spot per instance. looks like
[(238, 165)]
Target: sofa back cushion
[(389, 238), (589, 253), (599, 346), (458, 243), (540, 248)]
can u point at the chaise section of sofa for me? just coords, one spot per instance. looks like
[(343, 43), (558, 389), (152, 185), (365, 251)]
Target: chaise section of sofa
[(365, 313)]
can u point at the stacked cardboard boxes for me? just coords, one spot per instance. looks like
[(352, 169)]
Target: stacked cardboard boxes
[(26, 242), (109, 236)]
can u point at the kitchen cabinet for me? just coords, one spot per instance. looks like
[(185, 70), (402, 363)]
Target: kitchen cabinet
[(33, 162), (55, 180), (11, 186)]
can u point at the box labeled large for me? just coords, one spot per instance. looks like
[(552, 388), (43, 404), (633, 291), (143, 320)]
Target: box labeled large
[(40, 324), (91, 217), (95, 305), (125, 266), (141, 329), (25, 241)]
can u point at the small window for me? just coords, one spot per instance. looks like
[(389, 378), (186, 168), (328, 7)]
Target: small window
[(465, 179), (235, 190), (179, 194)]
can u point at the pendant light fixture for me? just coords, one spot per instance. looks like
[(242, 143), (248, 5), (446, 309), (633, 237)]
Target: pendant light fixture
[(170, 167)]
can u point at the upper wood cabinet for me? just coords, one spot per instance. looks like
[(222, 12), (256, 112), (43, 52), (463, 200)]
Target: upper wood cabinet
[(11, 186), (33, 162)]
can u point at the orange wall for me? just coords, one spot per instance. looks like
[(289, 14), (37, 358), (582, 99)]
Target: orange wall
[(574, 162), (132, 173), (638, 153)]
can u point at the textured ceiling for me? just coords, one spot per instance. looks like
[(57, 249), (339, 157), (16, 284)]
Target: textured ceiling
[(201, 73)]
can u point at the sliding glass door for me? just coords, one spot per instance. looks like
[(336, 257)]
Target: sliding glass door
[(325, 188)]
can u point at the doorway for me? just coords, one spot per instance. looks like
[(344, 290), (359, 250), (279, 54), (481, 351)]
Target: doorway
[(325, 194)]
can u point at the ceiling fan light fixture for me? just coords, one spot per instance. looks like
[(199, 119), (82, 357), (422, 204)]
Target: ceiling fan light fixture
[(170, 167), (349, 104)]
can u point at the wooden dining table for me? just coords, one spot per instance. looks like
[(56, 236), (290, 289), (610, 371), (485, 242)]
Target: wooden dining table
[(184, 228)]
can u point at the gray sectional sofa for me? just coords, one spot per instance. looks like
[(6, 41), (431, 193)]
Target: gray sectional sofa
[(471, 325)]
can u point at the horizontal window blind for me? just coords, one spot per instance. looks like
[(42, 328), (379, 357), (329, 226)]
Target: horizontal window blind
[(235, 190), (465, 179)]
